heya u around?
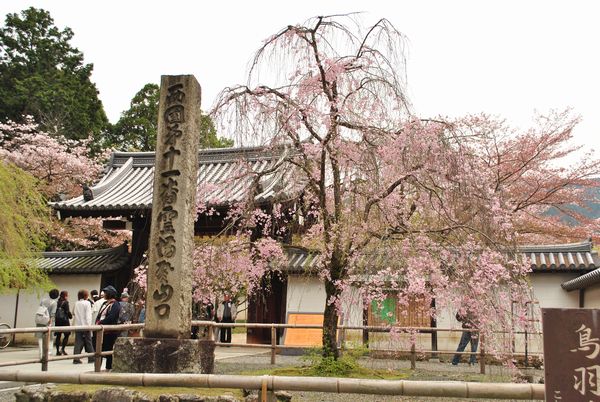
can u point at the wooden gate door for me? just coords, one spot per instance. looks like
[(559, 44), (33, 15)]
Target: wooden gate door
[(267, 306)]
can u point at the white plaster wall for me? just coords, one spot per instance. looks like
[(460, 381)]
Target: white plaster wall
[(242, 311), (448, 341), (352, 307), (547, 290), (29, 300), (305, 294), (592, 297)]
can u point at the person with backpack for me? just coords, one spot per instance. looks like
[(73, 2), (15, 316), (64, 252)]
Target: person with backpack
[(44, 316), (83, 316), (98, 303), (127, 311), (61, 319), (109, 315)]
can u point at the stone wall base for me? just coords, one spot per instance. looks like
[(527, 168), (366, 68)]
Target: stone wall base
[(112, 394), (155, 355)]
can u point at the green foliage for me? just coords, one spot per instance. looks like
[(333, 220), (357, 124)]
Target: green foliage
[(137, 128), (347, 366), (42, 75), (24, 216), (208, 135), (344, 366)]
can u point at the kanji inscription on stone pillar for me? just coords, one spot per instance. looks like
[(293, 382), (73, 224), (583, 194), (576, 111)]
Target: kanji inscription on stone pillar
[(169, 296)]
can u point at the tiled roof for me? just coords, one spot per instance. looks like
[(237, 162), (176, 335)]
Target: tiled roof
[(300, 260), (562, 257), (583, 281), (85, 262), (572, 257), (128, 183)]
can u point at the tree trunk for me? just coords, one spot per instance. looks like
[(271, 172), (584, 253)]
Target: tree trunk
[(330, 321)]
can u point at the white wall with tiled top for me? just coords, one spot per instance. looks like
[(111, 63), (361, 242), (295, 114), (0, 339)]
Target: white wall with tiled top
[(547, 290), (29, 300)]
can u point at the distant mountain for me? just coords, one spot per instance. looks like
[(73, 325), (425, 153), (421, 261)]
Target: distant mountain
[(592, 209)]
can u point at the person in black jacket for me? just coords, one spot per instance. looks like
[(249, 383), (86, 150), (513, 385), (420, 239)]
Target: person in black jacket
[(109, 315), (61, 319)]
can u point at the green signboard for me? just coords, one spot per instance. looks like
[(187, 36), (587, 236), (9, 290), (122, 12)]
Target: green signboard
[(384, 311)]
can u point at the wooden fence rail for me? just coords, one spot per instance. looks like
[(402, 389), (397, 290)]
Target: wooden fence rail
[(273, 346), (266, 385)]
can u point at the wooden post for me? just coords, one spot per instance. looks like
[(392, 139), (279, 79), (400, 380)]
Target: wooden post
[(434, 335), (365, 332), (211, 332), (481, 354), (273, 343), (413, 357), (46, 348), (98, 357)]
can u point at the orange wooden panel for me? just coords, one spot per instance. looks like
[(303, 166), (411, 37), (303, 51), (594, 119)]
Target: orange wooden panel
[(304, 336)]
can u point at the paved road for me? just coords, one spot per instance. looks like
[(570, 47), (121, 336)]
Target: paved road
[(67, 366)]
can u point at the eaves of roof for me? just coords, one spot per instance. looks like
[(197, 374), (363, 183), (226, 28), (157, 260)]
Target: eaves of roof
[(85, 262), (571, 257), (583, 281), (127, 185)]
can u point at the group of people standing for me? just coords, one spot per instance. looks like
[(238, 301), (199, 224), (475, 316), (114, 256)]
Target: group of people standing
[(105, 308), (226, 313)]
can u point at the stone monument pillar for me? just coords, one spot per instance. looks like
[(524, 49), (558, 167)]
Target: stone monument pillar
[(169, 294), (169, 301)]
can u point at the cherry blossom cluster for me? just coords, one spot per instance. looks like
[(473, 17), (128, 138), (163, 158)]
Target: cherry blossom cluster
[(428, 209), (61, 165)]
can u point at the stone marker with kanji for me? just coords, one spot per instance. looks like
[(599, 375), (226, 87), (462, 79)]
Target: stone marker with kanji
[(571, 354), (169, 294)]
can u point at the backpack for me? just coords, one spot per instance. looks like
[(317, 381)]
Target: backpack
[(42, 315), (61, 316), (126, 313)]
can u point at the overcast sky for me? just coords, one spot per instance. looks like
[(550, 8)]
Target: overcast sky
[(508, 58)]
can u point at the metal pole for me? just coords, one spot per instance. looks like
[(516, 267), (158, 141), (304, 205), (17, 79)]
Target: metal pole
[(98, 357), (273, 343), (526, 350), (365, 331), (14, 337), (528, 318)]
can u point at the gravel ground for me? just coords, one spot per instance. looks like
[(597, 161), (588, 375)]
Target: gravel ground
[(431, 371), (425, 371)]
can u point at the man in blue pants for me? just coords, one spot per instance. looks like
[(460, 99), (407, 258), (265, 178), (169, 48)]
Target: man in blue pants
[(466, 338)]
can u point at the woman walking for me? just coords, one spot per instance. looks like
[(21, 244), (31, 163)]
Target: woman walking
[(61, 319), (109, 315), (83, 316), (45, 318)]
